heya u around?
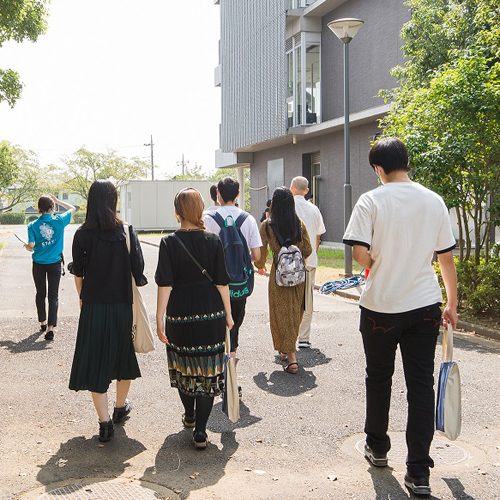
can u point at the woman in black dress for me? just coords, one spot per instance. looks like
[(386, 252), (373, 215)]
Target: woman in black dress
[(102, 266), (197, 312)]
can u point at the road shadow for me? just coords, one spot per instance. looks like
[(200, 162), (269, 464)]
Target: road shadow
[(474, 344), (31, 343), (218, 421), (285, 384), (308, 358), (387, 487), (457, 489), (86, 458), (179, 466)]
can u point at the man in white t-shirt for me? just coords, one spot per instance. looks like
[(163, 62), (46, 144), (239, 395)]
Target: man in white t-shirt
[(228, 190), (212, 208), (312, 218), (395, 230)]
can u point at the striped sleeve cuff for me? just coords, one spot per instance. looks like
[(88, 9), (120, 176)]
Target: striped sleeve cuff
[(351, 243), (446, 250)]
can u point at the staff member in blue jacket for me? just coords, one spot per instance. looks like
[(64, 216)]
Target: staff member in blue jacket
[(46, 241)]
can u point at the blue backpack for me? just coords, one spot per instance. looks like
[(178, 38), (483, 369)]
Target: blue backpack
[(238, 262)]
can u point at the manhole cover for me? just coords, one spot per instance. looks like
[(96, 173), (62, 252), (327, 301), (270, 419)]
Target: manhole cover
[(106, 489), (442, 452)]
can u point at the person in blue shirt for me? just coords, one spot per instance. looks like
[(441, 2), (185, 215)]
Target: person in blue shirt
[(46, 241)]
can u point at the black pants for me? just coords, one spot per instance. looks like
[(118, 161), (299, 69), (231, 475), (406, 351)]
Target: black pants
[(203, 409), (416, 333), (43, 273), (238, 313)]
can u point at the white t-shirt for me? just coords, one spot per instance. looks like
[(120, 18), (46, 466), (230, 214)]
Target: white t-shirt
[(210, 210), (313, 220), (403, 224), (249, 228)]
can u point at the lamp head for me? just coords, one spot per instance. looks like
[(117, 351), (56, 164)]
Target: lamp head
[(345, 29)]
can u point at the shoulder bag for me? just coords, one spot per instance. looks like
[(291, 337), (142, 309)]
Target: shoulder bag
[(142, 335), (230, 398), (449, 398)]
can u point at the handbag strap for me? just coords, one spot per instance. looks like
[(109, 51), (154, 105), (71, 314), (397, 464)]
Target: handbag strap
[(127, 235), (200, 267), (448, 344)]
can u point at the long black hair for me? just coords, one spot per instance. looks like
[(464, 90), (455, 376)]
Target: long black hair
[(283, 216), (101, 206)]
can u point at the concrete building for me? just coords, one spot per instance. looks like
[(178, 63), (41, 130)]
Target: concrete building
[(281, 77)]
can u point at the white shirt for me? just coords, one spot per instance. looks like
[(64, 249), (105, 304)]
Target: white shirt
[(210, 210), (313, 220), (249, 228), (403, 224)]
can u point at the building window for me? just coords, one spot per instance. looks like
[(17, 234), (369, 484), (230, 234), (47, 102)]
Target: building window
[(298, 4), (303, 93), (275, 175), (65, 196)]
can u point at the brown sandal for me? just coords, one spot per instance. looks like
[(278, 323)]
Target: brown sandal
[(288, 368), (283, 355)]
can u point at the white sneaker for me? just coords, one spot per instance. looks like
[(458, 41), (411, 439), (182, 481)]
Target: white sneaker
[(304, 344)]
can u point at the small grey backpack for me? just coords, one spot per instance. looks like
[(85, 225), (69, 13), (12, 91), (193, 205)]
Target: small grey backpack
[(290, 267)]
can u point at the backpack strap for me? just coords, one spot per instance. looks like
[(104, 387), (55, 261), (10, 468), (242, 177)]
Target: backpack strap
[(278, 235), (203, 271), (217, 217), (241, 219)]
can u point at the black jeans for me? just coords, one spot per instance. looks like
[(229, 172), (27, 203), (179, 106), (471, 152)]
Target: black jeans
[(43, 273), (416, 333), (238, 313)]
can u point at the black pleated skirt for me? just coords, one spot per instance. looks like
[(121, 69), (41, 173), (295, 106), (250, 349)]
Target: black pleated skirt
[(104, 348)]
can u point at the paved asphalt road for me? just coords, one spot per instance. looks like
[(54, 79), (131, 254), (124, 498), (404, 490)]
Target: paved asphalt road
[(296, 435)]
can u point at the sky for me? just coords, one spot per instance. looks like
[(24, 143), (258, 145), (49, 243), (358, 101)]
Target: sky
[(111, 73)]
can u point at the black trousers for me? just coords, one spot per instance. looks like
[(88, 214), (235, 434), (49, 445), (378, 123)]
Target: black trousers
[(43, 273), (238, 313), (416, 333)]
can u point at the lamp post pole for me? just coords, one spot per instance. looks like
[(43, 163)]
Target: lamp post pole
[(347, 164), (345, 30)]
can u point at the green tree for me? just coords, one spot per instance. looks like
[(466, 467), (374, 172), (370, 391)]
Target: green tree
[(19, 20), (84, 167), (27, 180), (447, 109)]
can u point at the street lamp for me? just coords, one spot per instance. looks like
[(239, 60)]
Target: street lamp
[(345, 30)]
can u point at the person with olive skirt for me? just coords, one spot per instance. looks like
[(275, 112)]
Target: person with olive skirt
[(103, 270)]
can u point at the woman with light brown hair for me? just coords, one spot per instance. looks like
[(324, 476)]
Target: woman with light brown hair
[(197, 309)]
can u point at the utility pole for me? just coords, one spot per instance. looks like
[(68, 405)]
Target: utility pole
[(152, 163), (183, 164)]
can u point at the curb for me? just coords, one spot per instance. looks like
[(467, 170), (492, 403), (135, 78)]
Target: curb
[(480, 331)]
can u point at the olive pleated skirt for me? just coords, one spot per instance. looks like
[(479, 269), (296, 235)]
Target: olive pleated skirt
[(104, 348)]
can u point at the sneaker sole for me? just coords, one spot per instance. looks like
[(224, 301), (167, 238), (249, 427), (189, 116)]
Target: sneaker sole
[(200, 446), (418, 490), (377, 462)]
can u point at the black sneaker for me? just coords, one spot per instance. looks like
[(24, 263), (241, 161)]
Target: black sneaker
[(240, 392), (119, 414), (106, 431), (200, 440), (49, 335), (43, 328), (376, 459), (419, 485)]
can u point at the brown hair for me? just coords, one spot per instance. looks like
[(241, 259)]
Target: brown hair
[(45, 203), (189, 206)]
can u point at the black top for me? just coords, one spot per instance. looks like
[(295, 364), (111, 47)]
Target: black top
[(102, 259), (175, 267)]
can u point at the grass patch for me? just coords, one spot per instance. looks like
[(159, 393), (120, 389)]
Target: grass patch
[(1, 246)]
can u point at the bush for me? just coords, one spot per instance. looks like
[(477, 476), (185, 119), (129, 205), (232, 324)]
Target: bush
[(478, 286), (12, 218), (78, 217)]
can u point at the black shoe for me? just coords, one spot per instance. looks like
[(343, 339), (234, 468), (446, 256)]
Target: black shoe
[(106, 431), (49, 335), (240, 393), (43, 328), (119, 414), (376, 459), (419, 485), (200, 439)]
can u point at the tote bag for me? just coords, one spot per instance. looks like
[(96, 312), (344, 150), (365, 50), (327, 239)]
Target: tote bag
[(142, 334), (230, 398), (449, 398)]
